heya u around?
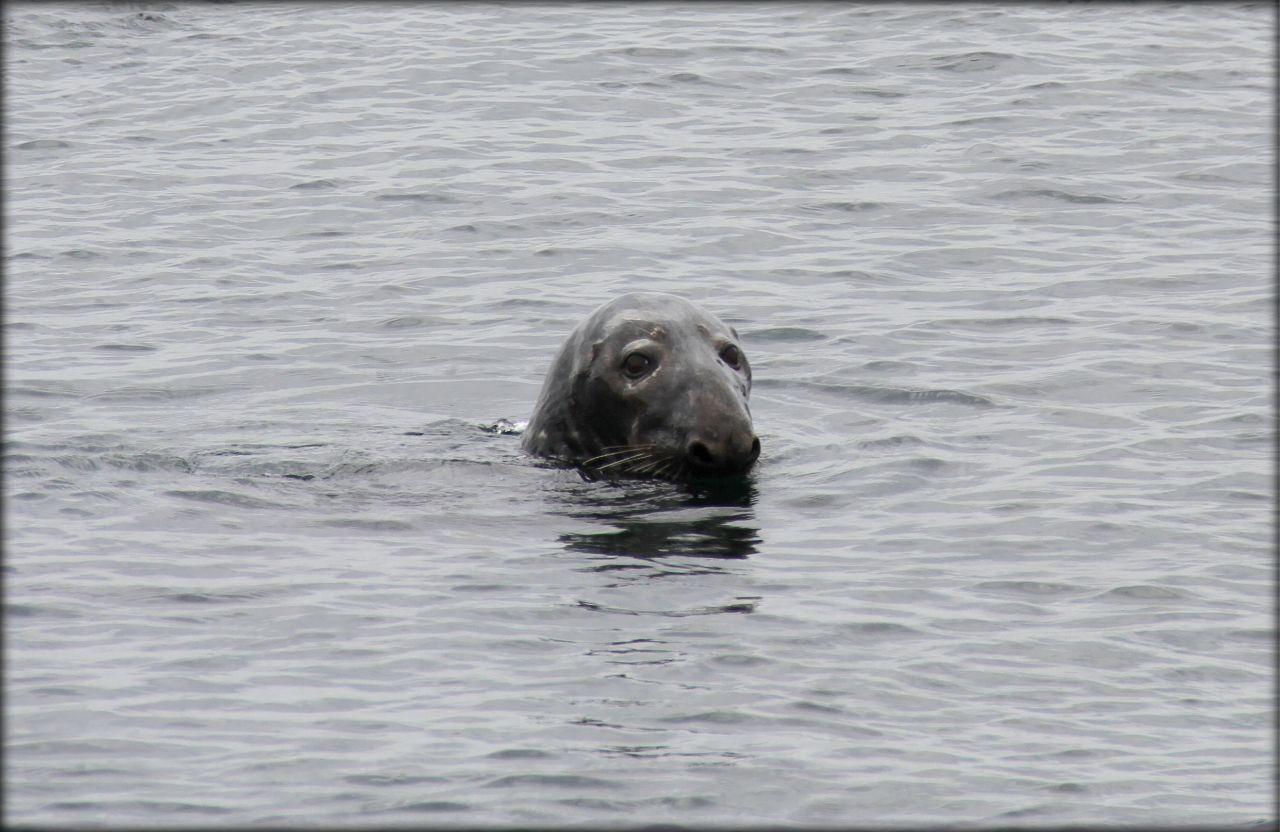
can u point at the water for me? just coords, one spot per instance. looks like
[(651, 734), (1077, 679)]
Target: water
[(1004, 277)]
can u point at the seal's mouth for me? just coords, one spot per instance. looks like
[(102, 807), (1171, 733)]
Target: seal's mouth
[(700, 461)]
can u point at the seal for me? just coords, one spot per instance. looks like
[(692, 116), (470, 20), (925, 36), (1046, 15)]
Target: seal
[(649, 385)]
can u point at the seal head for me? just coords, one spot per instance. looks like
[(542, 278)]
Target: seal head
[(648, 385)]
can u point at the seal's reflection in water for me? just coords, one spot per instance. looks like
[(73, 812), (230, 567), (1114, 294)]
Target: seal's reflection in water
[(652, 530)]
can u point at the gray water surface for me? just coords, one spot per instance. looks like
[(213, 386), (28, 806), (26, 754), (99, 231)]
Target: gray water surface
[(1004, 277)]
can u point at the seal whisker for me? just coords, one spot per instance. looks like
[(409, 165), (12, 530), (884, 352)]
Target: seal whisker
[(656, 462), (664, 467), (624, 461), (619, 452)]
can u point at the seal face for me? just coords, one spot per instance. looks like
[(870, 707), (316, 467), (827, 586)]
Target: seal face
[(648, 385)]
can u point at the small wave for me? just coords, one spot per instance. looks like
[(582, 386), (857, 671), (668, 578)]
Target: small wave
[(786, 334), (423, 198), (1037, 589), (562, 781), (225, 498), (1062, 196), (42, 144), (735, 607), (887, 395), (971, 61)]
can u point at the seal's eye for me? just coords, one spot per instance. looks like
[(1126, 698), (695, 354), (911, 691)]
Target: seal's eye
[(636, 365), (732, 356)]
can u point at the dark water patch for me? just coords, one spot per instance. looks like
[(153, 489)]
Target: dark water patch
[(737, 660), (71, 44), (1011, 322), (846, 70), (555, 781), (1248, 496), (652, 52), (717, 717), (883, 95), (1027, 812), (891, 442), (684, 803), (1205, 674), (21, 610), (926, 464), (108, 808), (786, 334), (403, 322), (740, 49), (637, 751), (709, 537), (966, 122), (843, 207), (369, 525), (1029, 589), (817, 707), (426, 807), (971, 61), (385, 780), (316, 185), (492, 230), (214, 597), (1145, 592), (883, 366), (143, 461), (42, 144), (601, 805), (126, 348), (1252, 636), (520, 754), (884, 395), (1061, 196), (78, 749), (225, 498), (866, 630), (736, 607), (144, 395), (44, 391), (81, 254)]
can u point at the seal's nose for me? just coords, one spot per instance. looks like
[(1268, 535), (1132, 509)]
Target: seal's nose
[(730, 456)]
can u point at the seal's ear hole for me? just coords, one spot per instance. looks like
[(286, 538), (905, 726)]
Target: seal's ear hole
[(732, 356), (637, 365)]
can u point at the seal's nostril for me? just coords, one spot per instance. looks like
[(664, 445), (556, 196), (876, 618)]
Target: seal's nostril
[(701, 455), (755, 449)]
